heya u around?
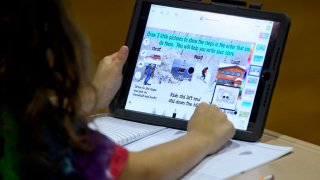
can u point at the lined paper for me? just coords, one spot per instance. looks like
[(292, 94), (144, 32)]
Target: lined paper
[(121, 131)]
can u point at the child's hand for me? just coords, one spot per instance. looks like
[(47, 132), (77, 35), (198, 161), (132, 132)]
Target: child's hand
[(211, 125), (108, 77)]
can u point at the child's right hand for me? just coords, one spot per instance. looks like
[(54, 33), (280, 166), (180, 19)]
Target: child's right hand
[(208, 130), (211, 125)]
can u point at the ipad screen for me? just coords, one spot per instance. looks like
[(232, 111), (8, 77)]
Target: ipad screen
[(189, 56)]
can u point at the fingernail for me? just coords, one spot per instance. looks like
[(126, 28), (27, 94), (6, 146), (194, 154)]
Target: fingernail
[(123, 49)]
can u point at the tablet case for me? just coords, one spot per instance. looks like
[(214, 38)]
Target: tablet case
[(233, 7)]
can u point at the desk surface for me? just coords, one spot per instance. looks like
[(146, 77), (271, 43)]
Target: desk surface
[(302, 163)]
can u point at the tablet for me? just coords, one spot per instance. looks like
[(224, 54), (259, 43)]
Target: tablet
[(183, 53)]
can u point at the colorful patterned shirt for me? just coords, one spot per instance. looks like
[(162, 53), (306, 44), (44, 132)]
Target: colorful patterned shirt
[(105, 162)]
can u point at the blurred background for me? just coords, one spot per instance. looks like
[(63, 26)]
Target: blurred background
[(295, 107)]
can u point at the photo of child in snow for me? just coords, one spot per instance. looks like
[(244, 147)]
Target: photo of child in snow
[(149, 73), (204, 73)]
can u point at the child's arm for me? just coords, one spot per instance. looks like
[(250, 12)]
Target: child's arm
[(208, 130)]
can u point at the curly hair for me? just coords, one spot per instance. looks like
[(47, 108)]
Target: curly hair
[(42, 55)]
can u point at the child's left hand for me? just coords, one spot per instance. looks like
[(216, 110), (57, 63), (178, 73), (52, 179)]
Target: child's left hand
[(108, 77)]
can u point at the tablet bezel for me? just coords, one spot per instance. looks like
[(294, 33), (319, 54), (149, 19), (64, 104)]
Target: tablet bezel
[(266, 83)]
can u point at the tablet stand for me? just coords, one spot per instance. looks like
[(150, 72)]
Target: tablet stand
[(241, 3)]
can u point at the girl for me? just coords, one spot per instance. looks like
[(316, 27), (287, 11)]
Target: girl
[(46, 93)]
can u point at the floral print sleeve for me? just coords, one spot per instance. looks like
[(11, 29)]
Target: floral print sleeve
[(105, 161)]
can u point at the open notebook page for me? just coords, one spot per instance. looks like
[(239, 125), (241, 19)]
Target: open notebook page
[(121, 131)]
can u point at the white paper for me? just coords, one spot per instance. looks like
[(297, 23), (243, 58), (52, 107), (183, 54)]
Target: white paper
[(235, 158), (155, 139)]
